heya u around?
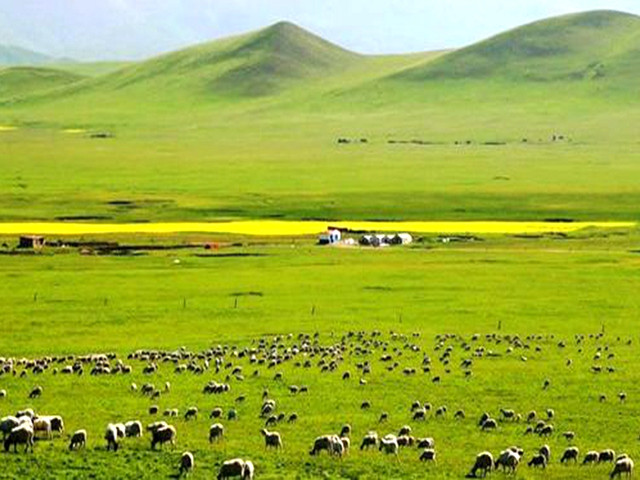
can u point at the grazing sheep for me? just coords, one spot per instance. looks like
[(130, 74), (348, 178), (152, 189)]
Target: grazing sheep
[(337, 446), (163, 435), (216, 431), (3, 393), (156, 426), (570, 453), (531, 416), (546, 451), (622, 396), (384, 416), (325, 442), (406, 441), (420, 414), (428, 455), (78, 439), (249, 470), (36, 392), (369, 440), (607, 455), (550, 413), (459, 414), (20, 435), (389, 444), (546, 431), (346, 444), (187, 462), (483, 418), (590, 457), (489, 424), (112, 437), (43, 425), (271, 439), (216, 413), (484, 463), (623, 465), (7, 424), (509, 460), (406, 430), (153, 410), (233, 468), (121, 429), (539, 460), (508, 414), (232, 414), (292, 418), (345, 431), (133, 429), (191, 413), (427, 442), (569, 435)]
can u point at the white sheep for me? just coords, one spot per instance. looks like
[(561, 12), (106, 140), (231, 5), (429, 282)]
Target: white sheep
[(187, 463), (325, 442), (216, 431), (112, 437), (370, 440), (7, 424), (508, 460), (20, 435), (248, 470), (484, 462), (163, 435), (78, 439), (233, 468), (623, 465), (428, 455), (42, 425), (389, 444), (570, 453), (590, 458), (539, 460), (133, 429), (271, 439)]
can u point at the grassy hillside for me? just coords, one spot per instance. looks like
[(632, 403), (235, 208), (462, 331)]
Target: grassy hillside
[(197, 140), (19, 81), (592, 45), (90, 69)]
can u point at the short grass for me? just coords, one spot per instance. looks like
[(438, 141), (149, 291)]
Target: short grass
[(62, 303)]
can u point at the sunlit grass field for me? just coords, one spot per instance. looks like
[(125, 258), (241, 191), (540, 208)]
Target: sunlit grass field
[(68, 303)]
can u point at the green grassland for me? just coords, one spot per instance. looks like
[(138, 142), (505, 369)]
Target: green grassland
[(248, 127), (68, 303)]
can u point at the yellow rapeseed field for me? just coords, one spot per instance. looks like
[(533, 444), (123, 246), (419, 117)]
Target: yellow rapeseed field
[(7, 128), (300, 228)]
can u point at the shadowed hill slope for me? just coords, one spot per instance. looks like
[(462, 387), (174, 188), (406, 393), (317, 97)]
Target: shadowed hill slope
[(17, 81)]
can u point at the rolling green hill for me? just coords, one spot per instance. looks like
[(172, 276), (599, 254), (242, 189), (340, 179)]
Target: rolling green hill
[(589, 45), (18, 81), (251, 65)]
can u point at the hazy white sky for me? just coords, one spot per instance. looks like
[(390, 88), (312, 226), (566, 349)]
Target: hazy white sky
[(113, 29)]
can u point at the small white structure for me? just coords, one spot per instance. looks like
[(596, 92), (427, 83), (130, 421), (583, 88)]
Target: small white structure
[(329, 237), (401, 239)]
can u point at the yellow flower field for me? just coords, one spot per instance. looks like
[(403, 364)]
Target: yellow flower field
[(300, 228), (7, 128)]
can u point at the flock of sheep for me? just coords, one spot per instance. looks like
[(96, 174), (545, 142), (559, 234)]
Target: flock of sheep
[(303, 351)]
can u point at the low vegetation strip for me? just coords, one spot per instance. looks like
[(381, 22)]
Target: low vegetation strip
[(300, 228)]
